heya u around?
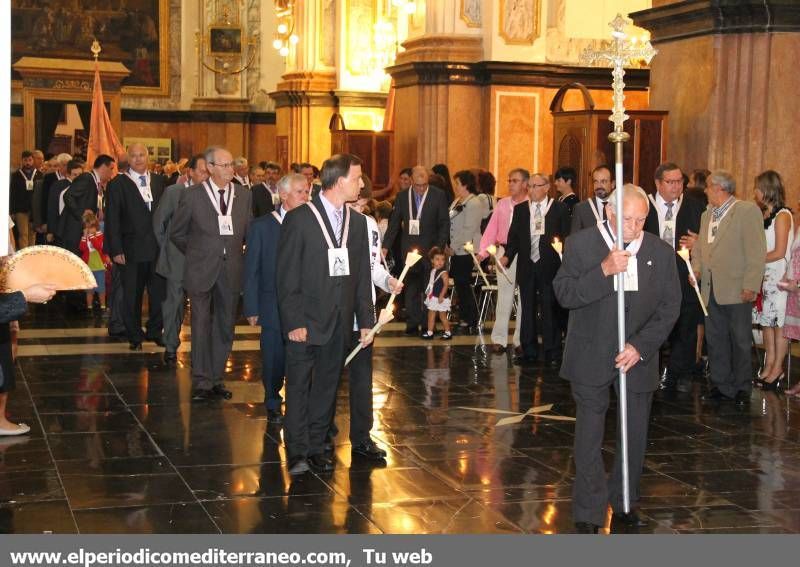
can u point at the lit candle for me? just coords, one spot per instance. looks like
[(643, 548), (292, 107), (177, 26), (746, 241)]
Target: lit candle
[(492, 249), (558, 246), (386, 315), (684, 253), (411, 258)]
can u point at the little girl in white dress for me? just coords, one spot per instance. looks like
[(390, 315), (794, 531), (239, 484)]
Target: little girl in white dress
[(436, 299)]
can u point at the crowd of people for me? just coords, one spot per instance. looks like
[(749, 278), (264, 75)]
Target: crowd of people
[(304, 252)]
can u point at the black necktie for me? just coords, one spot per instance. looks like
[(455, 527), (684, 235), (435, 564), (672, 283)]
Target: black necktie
[(605, 216), (223, 207)]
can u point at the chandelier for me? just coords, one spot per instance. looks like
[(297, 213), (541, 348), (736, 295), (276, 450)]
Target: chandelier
[(284, 35)]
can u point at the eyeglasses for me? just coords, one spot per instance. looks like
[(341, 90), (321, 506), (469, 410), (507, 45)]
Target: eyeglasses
[(537, 185), (223, 165)]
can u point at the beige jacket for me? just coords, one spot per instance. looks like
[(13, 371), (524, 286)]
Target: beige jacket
[(736, 258)]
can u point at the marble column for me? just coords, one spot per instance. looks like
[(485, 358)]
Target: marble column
[(727, 73)]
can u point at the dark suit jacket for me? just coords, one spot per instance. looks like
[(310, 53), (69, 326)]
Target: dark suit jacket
[(262, 200), (434, 225), (570, 203), (650, 313), (48, 181), (556, 223), (195, 231), (260, 272), (307, 295), (583, 217), (53, 217), (129, 223), (171, 264), (688, 218), (81, 196), (20, 197)]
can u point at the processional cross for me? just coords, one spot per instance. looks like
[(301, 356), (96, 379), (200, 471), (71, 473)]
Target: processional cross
[(619, 53)]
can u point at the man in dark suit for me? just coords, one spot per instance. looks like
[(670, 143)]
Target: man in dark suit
[(21, 192), (210, 227), (55, 201), (265, 193), (241, 172), (260, 290), (57, 173), (83, 195), (591, 211), (323, 283), (674, 217), (171, 262), (421, 215), (534, 225), (132, 198), (585, 285)]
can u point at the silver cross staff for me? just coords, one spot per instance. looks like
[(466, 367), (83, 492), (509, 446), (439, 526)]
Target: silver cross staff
[(619, 53)]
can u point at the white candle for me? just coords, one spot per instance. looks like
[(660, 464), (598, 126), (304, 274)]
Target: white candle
[(468, 246), (558, 247), (684, 253), (411, 258), (492, 249), (386, 315)]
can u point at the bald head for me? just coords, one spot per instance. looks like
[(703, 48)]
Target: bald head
[(138, 157)]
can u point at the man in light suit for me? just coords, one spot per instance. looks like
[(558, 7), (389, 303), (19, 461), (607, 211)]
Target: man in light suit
[(209, 227), (133, 197), (260, 305), (317, 306), (728, 258), (171, 262), (591, 211), (422, 218), (585, 285)]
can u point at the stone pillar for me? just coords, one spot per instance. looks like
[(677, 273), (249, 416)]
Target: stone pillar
[(726, 72)]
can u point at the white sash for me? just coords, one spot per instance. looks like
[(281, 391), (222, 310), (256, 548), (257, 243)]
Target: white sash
[(214, 201), (277, 217), (33, 174), (633, 247), (593, 206), (421, 204), (325, 233)]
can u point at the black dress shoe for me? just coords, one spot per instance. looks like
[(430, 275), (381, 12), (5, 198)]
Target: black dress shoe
[(170, 357), (716, 396), (412, 330), (298, 466), (275, 417), (631, 519), (742, 397), (202, 394), (586, 528), (220, 392), (135, 346), (320, 463), (368, 450)]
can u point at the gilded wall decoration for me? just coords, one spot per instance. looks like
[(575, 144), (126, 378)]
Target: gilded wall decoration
[(471, 13), (134, 32), (519, 21), (360, 22)]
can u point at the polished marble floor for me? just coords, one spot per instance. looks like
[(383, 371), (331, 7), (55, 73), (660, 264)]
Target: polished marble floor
[(118, 447)]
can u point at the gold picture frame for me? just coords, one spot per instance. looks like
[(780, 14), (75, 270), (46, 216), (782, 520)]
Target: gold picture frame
[(163, 56), (224, 40), (516, 13), (467, 18)]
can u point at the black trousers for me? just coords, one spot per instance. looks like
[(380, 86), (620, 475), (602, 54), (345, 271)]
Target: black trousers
[(360, 379), (683, 342), (273, 366), (136, 276), (461, 271), (312, 378), (115, 302), (537, 291), (591, 492), (413, 290), (213, 319)]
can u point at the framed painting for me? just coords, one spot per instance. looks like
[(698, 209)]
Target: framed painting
[(224, 40), (134, 32), (519, 21)]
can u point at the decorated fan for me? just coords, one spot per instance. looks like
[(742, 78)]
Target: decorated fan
[(46, 264)]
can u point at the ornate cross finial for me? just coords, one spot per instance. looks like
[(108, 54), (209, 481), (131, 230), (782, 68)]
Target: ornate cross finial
[(96, 49), (619, 53)]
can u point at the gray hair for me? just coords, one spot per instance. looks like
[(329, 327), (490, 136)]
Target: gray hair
[(63, 159), (286, 182), (630, 190), (724, 179), (210, 152), (240, 161)]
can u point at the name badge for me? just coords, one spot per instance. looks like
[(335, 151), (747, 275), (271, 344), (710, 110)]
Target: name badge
[(631, 275), (338, 262), (225, 225), (276, 199), (669, 224), (413, 227), (712, 231), (29, 184), (538, 227)]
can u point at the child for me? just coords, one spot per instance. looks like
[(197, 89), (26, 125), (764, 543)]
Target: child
[(435, 295), (91, 247)]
